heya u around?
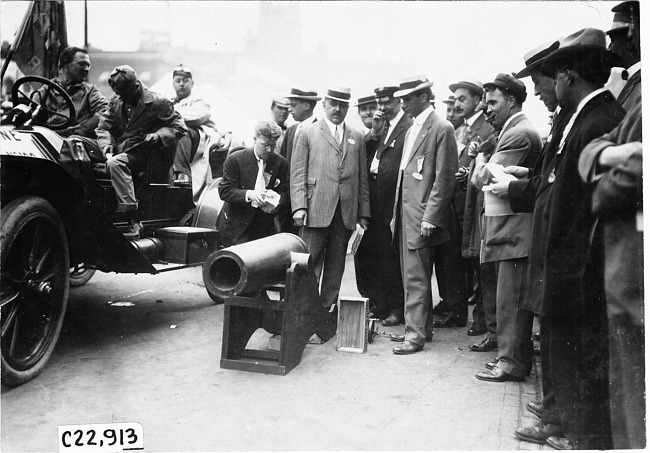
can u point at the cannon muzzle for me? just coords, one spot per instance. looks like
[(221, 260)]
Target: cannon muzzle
[(248, 267)]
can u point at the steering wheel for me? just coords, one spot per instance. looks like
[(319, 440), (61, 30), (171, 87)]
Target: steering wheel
[(39, 106)]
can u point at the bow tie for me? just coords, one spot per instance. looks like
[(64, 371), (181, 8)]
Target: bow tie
[(625, 75)]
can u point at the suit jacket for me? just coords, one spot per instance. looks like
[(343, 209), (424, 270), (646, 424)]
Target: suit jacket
[(507, 237), (239, 175), (630, 96), (389, 153), (434, 156), (289, 141), (324, 172), (563, 224)]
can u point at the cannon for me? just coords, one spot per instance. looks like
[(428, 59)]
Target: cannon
[(245, 276)]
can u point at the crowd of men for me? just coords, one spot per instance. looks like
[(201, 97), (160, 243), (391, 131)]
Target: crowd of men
[(515, 225)]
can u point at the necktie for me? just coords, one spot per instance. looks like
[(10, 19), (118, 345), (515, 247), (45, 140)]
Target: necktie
[(337, 136), (259, 182), (385, 133)]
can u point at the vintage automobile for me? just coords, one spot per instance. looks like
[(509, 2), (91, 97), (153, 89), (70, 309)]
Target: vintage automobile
[(58, 225)]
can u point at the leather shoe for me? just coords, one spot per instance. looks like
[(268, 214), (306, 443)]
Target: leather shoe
[(538, 434), (486, 345), (392, 320), (440, 309), (498, 375), (408, 347), (536, 407), (476, 330), (449, 322), (560, 443)]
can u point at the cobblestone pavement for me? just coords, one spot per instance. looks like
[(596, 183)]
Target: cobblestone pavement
[(155, 361)]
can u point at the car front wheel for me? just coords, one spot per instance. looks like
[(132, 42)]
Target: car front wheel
[(33, 287)]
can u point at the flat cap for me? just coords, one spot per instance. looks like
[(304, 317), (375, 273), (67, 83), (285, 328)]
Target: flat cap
[(182, 71), (122, 78), (509, 84), (471, 84)]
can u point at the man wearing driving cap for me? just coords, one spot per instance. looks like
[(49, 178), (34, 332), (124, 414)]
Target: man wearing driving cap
[(329, 190), (625, 39), (566, 250), (506, 238), (139, 129), (422, 214), (302, 102), (378, 257), (191, 160)]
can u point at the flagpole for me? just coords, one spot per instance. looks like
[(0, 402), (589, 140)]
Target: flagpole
[(86, 24)]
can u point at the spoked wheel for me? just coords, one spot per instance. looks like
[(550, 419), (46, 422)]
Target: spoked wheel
[(33, 286), (80, 275)]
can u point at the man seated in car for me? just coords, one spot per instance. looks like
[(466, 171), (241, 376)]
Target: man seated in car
[(88, 102), (192, 159), (135, 132)]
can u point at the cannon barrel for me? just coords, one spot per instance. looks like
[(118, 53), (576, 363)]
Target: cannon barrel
[(248, 267)]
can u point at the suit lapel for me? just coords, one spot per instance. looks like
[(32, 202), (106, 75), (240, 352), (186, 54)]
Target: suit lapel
[(512, 124), (344, 142), (139, 108), (325, 132), (399, 128), (424, 131)]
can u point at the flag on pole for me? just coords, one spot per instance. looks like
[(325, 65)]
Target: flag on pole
[(41, 38)]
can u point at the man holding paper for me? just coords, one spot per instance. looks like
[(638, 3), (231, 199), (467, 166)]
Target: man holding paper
[(506, 235), (254, 186)]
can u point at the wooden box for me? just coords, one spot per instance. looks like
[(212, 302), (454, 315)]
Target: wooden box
[(352, 330), (187, 245)]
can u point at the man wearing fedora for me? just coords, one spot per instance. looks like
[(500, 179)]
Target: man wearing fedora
[(329, 190), (625, 36), (139, 129), (366, 107), (378, 257), (453, 116), (506, 237), (302, 102), (422, 214), (279, 114), (566, 251)]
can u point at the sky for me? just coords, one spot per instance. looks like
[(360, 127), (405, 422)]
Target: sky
[(444, 40)]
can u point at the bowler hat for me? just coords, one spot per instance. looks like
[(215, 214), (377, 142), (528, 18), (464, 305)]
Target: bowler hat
[(369, 99), (385, 94), (412, 84), (585, 44), (122, 78), (533, 59), (471, 84), (623, 13), (281, 101), (338, 93), (182, 71), (509, 84), (308, 95)]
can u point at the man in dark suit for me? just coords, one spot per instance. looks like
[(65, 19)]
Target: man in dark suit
[(506, 235), (250, 176), (378, 258), (422, 212), (329, 190), (301, 106), (625, 39), (566, 246)]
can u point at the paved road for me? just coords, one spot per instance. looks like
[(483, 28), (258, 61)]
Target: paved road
[(155, 361)]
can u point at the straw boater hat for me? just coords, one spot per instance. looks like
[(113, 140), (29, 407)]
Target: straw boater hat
[(281, 101), (182, 71), (624, 15), (472, 85), (510, 84), (385, 94), (338, 93), (533, 59), (412, 84), (451, 100), (307, 94), (586, 44), (368, 99)]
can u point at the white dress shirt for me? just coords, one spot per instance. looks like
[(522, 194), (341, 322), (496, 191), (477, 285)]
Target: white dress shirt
[(412, 134)]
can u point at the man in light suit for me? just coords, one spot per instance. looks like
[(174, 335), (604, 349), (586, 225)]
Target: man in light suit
[(506, 236), (248, 175), (423, 195), (378, 258), (329, 190)]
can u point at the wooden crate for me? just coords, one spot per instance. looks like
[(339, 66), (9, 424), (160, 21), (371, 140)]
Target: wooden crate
[(352, 330)]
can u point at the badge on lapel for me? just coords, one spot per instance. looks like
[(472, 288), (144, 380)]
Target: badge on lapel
[(392, 144), (420, 163)]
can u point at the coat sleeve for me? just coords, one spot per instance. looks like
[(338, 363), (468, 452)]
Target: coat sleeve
[(442, 191), (172, 123), (299, 170), (98, 105), (230, 185), (364, 189), (283, 187), (196, 113), (106, 126), (620, 191)]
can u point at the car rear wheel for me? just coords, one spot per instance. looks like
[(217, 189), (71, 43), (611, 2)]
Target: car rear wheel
[(80, 275), (33, 286)]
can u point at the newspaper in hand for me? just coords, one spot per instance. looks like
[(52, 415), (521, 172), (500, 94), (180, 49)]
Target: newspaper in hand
[(357, 235), (271, 201)]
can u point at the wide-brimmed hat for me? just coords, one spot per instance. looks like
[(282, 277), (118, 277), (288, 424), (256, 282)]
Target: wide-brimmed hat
[(122, 78), (338, 93), (510, 84), (533, 59), (385, 93), (472, 85), (182, 71), (451, 100), (281, 101), (412, 84), (306, 94), (368, 99), (623, 16), (588, 43)]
